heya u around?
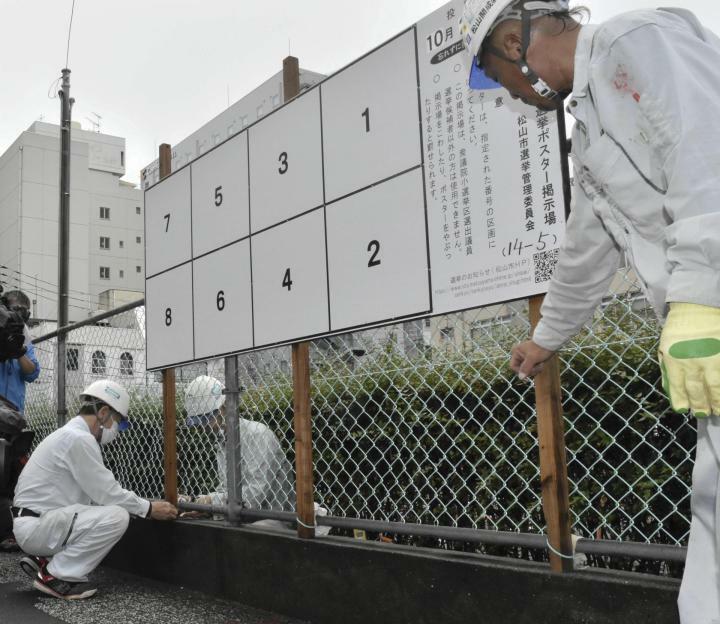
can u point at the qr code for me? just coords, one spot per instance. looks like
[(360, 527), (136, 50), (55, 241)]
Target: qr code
[(545, 265)]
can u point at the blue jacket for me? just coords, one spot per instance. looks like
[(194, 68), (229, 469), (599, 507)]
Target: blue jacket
[(12, 379)]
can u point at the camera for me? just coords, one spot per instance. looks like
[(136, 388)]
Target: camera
[(12, 328)]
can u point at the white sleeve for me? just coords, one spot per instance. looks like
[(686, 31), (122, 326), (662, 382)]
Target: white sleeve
[(85, 463), (587, 262)]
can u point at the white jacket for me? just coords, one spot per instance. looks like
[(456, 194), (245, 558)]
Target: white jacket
[(646, 156), (67, 469), (265, 473)]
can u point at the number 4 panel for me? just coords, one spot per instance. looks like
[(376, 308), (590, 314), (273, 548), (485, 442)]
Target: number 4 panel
[(290, 280), (377, 254), (169, 318), (222, 301)]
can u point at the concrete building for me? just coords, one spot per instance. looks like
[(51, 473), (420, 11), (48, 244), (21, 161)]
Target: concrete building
[(106, 220), (256, 104)]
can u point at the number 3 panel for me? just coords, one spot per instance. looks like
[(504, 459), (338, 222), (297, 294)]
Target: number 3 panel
[(286, 163), (290, 280), (377, 254), (371, 129), (222, 301), (220, 196), (167, 223), (168, 317)]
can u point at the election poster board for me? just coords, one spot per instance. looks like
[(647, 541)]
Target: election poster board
[(387, 192)]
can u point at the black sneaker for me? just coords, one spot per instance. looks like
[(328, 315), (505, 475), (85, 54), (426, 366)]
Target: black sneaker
[(32, 565), (66, 590)]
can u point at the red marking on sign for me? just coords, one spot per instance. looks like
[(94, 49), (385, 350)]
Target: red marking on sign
[(636, 96)]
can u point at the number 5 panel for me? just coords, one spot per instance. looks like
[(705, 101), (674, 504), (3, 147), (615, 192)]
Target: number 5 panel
[(168, 317), (371, 128), (220, 196), (167, 223), (222, 301), (377, 254)]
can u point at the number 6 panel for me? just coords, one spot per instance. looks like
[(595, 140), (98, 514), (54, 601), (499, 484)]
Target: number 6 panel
[(169, 317), (167, 223), (377, 254), (371, 127), (222, 301)]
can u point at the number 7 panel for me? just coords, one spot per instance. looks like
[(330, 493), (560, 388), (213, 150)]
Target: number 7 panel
[(377, 254), (167, 223)]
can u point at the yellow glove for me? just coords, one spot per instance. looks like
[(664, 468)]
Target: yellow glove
[(690, 358)]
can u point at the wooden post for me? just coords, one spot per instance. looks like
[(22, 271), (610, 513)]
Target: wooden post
[(168, 384), (553, 464), (301, 379)]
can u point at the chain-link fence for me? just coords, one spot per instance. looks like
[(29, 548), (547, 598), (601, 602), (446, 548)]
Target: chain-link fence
[(420, 422)]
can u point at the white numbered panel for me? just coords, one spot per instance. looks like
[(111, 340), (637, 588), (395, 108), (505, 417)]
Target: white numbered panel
[(167, 223), (290, 280), (371, 119), (220, 196), (169, 317), (223, 301), (286, 163), (377, 253)]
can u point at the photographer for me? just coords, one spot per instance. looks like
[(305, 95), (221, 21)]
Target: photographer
[(22, 366)]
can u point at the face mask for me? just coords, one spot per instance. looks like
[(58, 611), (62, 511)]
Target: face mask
[(109, 435)]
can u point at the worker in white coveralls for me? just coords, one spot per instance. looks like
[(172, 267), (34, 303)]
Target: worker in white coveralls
[(265, 473), (646, 152), (69, 510)]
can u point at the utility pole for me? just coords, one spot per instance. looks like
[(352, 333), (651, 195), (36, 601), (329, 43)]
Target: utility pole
[(66, 103)]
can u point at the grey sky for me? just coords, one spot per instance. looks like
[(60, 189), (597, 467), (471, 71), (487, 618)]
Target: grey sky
[(156, 70)]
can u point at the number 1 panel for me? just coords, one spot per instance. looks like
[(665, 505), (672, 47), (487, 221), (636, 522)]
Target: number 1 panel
[(222, 301), (290, 280), (377, 254), (371, 129), (168, 317), (167, 223), (286, 163), (220, 196)]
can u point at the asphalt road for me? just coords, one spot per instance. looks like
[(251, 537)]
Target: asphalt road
[(122, 599)]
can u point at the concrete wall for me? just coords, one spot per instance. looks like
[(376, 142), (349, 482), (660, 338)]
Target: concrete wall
[(333, 580)]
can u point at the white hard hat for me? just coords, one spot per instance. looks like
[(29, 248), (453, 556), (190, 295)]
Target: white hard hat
[(481, 17), (111, 393), (203, 396)]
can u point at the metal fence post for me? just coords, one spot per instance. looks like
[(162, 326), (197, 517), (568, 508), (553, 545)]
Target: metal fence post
[(168, 384), (233, 442), (553, 464)]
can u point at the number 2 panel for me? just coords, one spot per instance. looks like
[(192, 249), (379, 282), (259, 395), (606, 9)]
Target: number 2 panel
[(377, 254), (370, 119), (168, 317), (222, 301), (220, 196), (286, 163), (290, 280), (167, 223)]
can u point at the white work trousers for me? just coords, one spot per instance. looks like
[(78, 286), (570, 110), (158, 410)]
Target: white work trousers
[(76, 537), (699, 601)]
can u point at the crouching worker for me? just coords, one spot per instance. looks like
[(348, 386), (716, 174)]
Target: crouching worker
[(69, 510)]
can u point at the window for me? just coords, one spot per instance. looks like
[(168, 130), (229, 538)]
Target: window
[(104, 242), (122, 273), (427, 322), (138, 269), (138, 210), (447, 334), (99, 366), (122, 158), (126, 364), (104, 212), (104, 272), (259, 111), (121, 244), (275, 100), (244, 121), (72, 359), (138, 239)]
